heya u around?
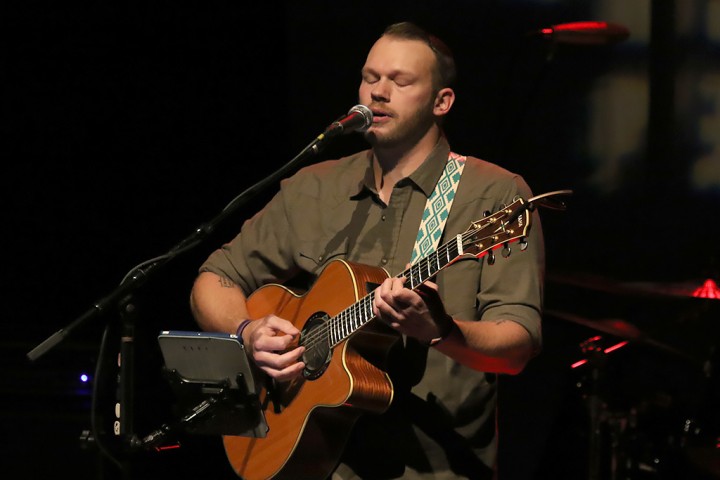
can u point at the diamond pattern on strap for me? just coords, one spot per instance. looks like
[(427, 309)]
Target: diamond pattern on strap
[(437, 208)]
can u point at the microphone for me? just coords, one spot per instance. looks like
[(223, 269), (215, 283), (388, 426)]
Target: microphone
[(585, 33), (358, 119)]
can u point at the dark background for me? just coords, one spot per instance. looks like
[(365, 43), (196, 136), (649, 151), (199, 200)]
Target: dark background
[(127, 127)]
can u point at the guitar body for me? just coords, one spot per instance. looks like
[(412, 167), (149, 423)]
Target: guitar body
[(310, 419)]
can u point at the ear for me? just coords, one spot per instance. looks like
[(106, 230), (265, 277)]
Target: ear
[(444, 100)]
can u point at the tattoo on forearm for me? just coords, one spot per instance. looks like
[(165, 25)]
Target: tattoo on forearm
[(227, 283)]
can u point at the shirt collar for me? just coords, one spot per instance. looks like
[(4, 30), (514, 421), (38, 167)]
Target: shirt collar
[(425, 177)]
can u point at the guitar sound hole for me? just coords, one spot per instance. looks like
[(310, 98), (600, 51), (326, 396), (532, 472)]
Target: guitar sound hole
[(314, 338)]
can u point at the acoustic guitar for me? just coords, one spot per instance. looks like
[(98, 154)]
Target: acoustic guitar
[(310, 418)]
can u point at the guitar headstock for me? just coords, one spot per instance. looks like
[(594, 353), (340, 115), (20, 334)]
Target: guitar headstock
[(509, 224)]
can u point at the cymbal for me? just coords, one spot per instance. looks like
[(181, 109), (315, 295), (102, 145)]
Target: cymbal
[(617, 327), (706, 289), (613, 326)]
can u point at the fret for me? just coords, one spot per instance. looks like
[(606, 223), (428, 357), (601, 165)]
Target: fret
[(357, 316), (347, 327), (414, 281), (348, 321), (368, 308), (335, 338), (341, 330), (352, 320)]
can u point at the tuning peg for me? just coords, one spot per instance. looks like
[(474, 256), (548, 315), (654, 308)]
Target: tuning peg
[(491, 258), (506, 250), (523, 244)]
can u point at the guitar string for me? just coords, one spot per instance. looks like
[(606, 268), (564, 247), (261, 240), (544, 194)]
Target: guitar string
[(364, 308), (356, 315), (320, 334)]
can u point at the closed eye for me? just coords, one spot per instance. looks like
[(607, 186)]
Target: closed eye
[(369, 77)]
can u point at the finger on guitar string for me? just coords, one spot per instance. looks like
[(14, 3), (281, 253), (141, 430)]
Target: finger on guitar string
[(280, 325), (282, 365), (266, 339), (271, 326), (388, 296), (288, 373)]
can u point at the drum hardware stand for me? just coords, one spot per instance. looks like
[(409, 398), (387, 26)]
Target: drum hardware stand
[(596, 359), (599, 417)]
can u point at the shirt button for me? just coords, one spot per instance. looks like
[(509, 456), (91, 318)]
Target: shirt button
[(383, 261), (320, 258), (383, 218)]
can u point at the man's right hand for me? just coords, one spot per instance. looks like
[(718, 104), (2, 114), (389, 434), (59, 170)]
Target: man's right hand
[(272, 344)]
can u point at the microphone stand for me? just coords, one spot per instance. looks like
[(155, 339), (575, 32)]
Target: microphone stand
[(121, 297)]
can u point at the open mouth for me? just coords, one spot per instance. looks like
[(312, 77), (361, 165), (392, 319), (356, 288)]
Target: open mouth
[(379, 115)]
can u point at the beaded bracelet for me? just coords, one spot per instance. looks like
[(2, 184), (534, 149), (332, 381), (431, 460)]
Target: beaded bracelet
[(240, 329)]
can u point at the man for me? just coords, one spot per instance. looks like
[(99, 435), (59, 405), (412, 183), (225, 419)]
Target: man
[(475, 319)]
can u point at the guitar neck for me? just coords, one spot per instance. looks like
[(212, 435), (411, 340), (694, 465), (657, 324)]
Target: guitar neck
[(504, 226), (429, 266), (360, 313)]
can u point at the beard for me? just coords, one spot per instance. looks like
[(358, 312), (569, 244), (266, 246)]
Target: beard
[(407, 132)]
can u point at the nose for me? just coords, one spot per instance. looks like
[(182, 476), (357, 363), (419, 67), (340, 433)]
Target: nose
[(380, 91)]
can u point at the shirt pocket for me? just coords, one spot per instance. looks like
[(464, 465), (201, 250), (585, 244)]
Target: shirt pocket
[(313, 255)]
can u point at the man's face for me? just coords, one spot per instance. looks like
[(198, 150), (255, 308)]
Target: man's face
[(397, 85)]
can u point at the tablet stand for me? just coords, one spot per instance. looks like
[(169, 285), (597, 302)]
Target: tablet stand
[(212, 408)]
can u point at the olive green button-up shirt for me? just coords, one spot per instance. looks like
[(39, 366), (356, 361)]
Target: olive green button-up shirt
[(331, 210)]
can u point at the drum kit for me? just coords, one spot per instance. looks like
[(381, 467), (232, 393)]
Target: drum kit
[(652, 400)]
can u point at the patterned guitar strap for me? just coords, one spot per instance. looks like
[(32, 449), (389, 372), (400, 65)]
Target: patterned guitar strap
[(437, 208)]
